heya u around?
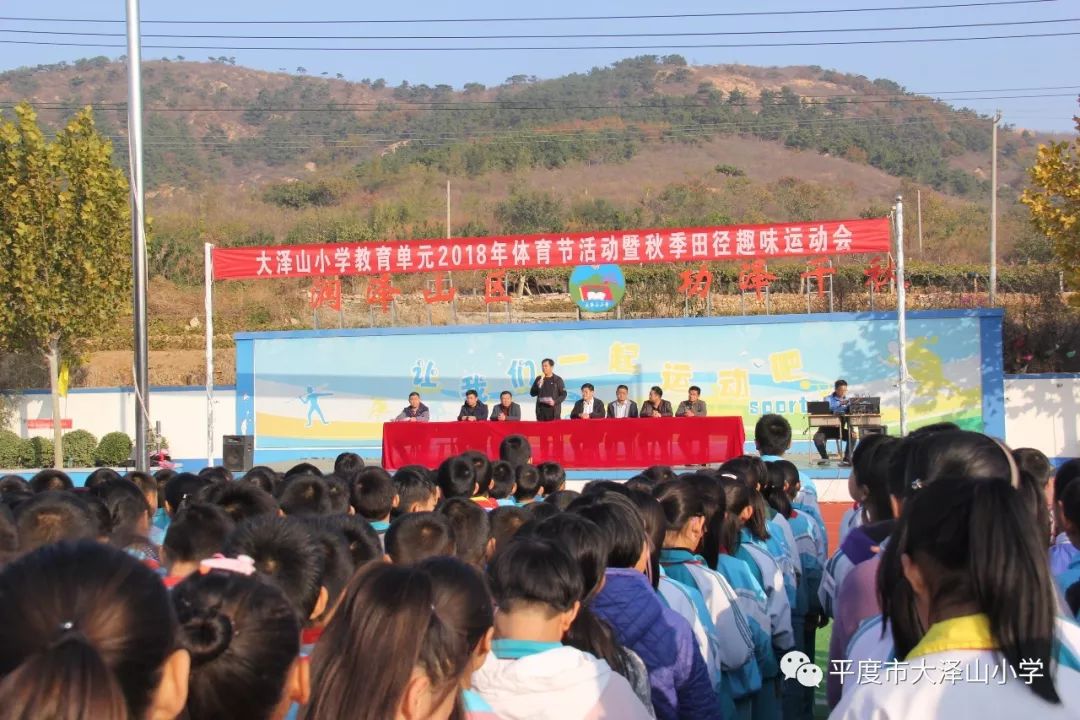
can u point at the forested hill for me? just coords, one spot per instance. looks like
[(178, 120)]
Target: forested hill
[(213, 122)]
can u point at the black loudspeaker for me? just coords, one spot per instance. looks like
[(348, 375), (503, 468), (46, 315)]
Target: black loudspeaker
[(238, 452), (868, 430)]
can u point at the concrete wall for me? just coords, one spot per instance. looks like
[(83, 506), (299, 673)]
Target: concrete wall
[(1043, 412), (181, 411)]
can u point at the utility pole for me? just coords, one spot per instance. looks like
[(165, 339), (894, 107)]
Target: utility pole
[(901, 313), (918, 208), (993, 209), (138, 235)]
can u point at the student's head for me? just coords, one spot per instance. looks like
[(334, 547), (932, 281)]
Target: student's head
[(471, 529), (1065, 476), (506, 398), (552, 477), (414, 399), (14, 484), (163, 476), (784, 474), (772, 435), (694, 393), (148, 485), (684, 514), (181, 488), (970, 542), (538, 578), (561, 498), (50, 479), (374, 494), (1070, 512), (402, 644), (99, 476), (216, 474), (336, 563), (738, 510), (516, 450), (197, 532), (244, 640), (868, 483), (527, 479), (752, 471), (503, 524), (482, 467), (587, 391), (655, 394), (347, 464), (416, 536), (471, 398), (361, 539), (540, 511), (302, 469), (775, 484), (288, 555), (339, 493), (657, 474), (503, 480), (50, 517), (87, 631), (129, 512), (840, 388), (584, 541), (262, 477), (547, 366), (1034, 463), (304, 495), (622, 393), (623, 528), (416, 490), (456, 477), (241, 500)]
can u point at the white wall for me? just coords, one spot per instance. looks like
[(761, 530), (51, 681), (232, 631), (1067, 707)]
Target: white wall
[(1043, 412), (181, 412)]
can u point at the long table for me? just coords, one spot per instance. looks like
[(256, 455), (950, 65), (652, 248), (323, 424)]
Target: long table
[(578, 444)]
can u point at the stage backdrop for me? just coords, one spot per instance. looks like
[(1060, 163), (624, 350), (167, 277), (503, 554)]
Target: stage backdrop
[(316, 393)]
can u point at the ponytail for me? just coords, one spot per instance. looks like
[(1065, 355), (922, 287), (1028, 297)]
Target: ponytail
[(773, 488), (68, 681)]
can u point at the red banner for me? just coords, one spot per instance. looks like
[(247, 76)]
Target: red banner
[(47, 424), (627, 247)]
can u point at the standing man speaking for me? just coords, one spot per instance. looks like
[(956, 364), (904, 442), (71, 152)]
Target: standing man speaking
[(549, 391)]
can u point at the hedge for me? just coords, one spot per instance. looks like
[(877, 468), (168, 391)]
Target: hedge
[(36, 452), (114, 449), (78, 448), (10, 449)]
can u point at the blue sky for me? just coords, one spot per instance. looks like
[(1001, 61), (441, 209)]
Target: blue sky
[(980, 65)]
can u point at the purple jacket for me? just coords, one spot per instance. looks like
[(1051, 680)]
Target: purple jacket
[(680, 684)]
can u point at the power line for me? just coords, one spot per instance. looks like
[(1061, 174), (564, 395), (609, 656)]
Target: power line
[(550, 36), (535, 48), (754, 13)]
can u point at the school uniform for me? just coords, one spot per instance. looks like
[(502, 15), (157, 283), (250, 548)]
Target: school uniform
[(1062, 553), (853, 518), (800, 700), (776, 595), (715, 602), (856, 602), (380, 527), (953, 652), (807, 498), (523, 680), (1069, 576), (478, 411)]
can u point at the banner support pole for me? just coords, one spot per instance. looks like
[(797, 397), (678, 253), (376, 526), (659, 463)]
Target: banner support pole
[(208, 262), (901, 314)]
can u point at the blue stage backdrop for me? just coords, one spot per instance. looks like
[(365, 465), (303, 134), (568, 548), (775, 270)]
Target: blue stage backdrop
[(316, 393)]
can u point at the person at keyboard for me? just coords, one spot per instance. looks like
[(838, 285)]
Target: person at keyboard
[(839, 404)]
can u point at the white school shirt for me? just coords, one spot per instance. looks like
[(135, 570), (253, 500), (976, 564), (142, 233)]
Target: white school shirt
[(944, 653)]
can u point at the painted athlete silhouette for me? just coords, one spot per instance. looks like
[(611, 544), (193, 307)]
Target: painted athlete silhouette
[(312, 401)]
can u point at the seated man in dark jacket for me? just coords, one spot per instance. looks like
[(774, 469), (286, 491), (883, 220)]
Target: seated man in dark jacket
[(656, 405), (623, 407), (588, 406), (507, 410), (473, 409)]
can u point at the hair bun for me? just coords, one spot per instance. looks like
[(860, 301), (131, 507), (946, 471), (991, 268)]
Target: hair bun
[(206, 635)]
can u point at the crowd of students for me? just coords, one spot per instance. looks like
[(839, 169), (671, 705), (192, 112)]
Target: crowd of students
[(484, 589)]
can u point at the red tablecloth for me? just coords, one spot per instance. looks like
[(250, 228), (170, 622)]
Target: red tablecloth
[(627, 443)]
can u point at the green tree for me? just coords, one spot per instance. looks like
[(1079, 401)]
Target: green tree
[(65, 267), (1054, 201)]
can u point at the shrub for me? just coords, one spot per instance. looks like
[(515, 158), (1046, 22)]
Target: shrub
[(114, 449), (36, 452), (10, 447), (78, 447)]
